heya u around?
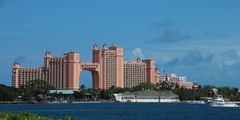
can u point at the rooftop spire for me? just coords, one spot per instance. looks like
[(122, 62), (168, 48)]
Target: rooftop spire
[(48, 54), (15, 62), (138, 59), (104, 46), (95, 47)]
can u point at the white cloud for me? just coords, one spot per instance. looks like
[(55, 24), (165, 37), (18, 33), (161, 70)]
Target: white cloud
[(137, 52)]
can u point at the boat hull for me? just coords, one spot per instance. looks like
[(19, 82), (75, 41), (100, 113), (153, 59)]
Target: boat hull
[(223, 105)]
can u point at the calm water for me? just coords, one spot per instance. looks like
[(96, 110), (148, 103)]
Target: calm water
[(129, 111)]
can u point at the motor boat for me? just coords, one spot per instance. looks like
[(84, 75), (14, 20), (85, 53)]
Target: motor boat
[(218, 101)]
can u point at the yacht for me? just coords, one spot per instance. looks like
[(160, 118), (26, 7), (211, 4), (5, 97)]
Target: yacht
[(218, 101)]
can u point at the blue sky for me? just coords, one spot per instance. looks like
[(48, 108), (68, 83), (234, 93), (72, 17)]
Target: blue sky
[(199, 39)]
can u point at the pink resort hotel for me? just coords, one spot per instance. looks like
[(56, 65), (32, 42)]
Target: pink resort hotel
[(108, 69)]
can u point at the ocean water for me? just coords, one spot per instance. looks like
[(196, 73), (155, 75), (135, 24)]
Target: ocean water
[(128, 111)]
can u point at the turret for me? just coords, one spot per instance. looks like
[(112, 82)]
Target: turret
[(139, 59), (16, 65), (150, 70), (95, 47), (48, 54), (15, 74), (104, 46), (47, 58)]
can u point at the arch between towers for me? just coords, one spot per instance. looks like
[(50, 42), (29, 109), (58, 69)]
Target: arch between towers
[(94, 68)]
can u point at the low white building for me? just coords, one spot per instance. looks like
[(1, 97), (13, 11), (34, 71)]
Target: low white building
[(147, 96)]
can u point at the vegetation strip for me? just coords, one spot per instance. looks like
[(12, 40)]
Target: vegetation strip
[(28, 116)]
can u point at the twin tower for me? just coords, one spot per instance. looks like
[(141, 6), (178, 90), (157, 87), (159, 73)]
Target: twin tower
[(108, 69)]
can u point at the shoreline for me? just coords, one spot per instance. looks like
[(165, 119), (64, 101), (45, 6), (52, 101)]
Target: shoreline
[(91, 102), (16, 102), (98, 102)]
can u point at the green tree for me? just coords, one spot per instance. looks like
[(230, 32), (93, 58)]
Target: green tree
[(35, 88), (144, 86), (7, 93), (165, 85)]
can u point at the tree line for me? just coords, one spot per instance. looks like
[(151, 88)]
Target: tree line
[(26, 92), (39, 89), (232, 94)]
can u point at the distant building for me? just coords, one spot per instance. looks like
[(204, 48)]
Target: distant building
[(147, 96), (215, 91), (180, 81)]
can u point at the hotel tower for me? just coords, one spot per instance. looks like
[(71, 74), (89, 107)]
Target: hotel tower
[(111, 65), (61, 72)]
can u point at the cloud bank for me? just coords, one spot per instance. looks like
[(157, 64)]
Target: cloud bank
[(222, 69), (167, 32), (193, 57)]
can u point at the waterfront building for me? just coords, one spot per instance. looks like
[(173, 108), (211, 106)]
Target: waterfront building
[(147, 96), (107, 68)]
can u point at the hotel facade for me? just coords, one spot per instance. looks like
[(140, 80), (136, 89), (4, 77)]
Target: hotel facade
[(108, 69), (61, 72), (140, 71)]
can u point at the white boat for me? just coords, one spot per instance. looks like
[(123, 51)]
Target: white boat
[(218, 101)]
